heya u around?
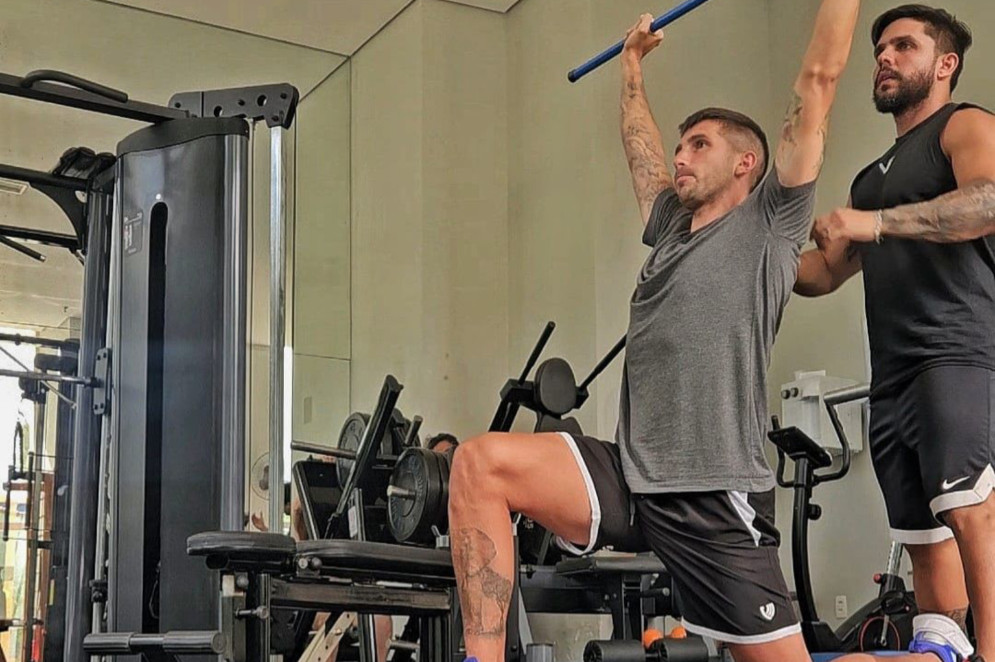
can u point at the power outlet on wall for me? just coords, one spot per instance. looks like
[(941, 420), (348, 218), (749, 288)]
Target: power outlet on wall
[(841, 609)]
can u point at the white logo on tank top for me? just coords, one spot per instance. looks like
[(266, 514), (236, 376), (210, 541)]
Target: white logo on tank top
[(886, 168)]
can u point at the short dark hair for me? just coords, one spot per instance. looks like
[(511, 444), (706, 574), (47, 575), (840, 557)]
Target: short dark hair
[(950, 34), (733, 121), (435, 440)]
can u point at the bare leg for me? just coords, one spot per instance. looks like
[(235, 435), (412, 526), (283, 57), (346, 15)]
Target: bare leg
[(938, 577), (974, 528), (383, 629), (493, 476)]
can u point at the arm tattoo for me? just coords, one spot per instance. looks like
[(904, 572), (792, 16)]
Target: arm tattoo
[(792, 118), (484, 593), (961, 215), (792, 125), (643, 145)]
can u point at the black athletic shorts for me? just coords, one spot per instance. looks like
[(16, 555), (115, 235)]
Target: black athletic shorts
[(931, 442), (720, 547)]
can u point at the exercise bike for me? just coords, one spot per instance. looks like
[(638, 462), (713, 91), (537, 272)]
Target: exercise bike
[(884, 623)]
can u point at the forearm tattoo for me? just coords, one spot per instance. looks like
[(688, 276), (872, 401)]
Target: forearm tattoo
[(961, 215), (484, 593), (643, 148)]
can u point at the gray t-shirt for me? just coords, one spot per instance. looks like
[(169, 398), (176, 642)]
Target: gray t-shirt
[(707, 305)]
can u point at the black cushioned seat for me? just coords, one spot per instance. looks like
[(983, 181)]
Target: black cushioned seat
[(272, 552), (379, 557), (639, 564)]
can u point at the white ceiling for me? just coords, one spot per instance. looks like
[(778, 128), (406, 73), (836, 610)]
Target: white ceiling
[(338, 26)]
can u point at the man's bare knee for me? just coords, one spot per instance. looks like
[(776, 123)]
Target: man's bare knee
[(477, 472), (972, 519)]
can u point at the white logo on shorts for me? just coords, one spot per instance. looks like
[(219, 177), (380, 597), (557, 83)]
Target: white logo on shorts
[(767, 611), (948, 484), (886, 168)]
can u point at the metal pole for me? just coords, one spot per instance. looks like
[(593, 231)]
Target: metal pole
[(233, 342), (45, 377), (18, 339), (31, 565), (86, 526), (39, 178), (44, 383), (277, 326), (31, 569)]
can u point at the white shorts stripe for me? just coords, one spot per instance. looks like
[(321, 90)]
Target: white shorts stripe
[(922, 537), (592, 496), (740, 639), (962, 498)]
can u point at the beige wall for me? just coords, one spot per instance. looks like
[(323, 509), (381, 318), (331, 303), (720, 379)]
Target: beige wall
[(429, 190)]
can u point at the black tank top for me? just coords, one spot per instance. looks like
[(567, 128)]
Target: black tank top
[(927, 303)]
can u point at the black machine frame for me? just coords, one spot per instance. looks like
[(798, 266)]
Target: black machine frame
[(85, 186)]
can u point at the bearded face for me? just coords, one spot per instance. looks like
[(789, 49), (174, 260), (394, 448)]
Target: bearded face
[(895, 93)]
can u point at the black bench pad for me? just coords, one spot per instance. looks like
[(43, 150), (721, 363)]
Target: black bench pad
[(241, 543), (360, 556), (266, 552), (641, 564)]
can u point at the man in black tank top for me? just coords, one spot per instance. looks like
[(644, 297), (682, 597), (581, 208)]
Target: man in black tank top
[(921, 226)]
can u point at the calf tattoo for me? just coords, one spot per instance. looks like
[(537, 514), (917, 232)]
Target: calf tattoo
[(484, 593), (958, 616)]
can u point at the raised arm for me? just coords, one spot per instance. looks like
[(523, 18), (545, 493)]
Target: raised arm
[(803, 137), (640, 135)]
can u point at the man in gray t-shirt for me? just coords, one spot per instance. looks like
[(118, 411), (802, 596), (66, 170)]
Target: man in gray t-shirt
[(710, 302), (687, 478)]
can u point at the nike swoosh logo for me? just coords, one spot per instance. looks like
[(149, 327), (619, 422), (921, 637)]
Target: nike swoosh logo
[(886, 168), (948, 484)]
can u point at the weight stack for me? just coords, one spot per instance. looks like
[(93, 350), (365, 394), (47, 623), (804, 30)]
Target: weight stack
[(178, 353)]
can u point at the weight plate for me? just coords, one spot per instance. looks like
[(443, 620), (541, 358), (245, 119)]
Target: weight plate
[(418, 477), (349, 438)]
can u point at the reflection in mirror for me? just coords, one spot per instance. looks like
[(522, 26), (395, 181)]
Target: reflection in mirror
[(317, 347)]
